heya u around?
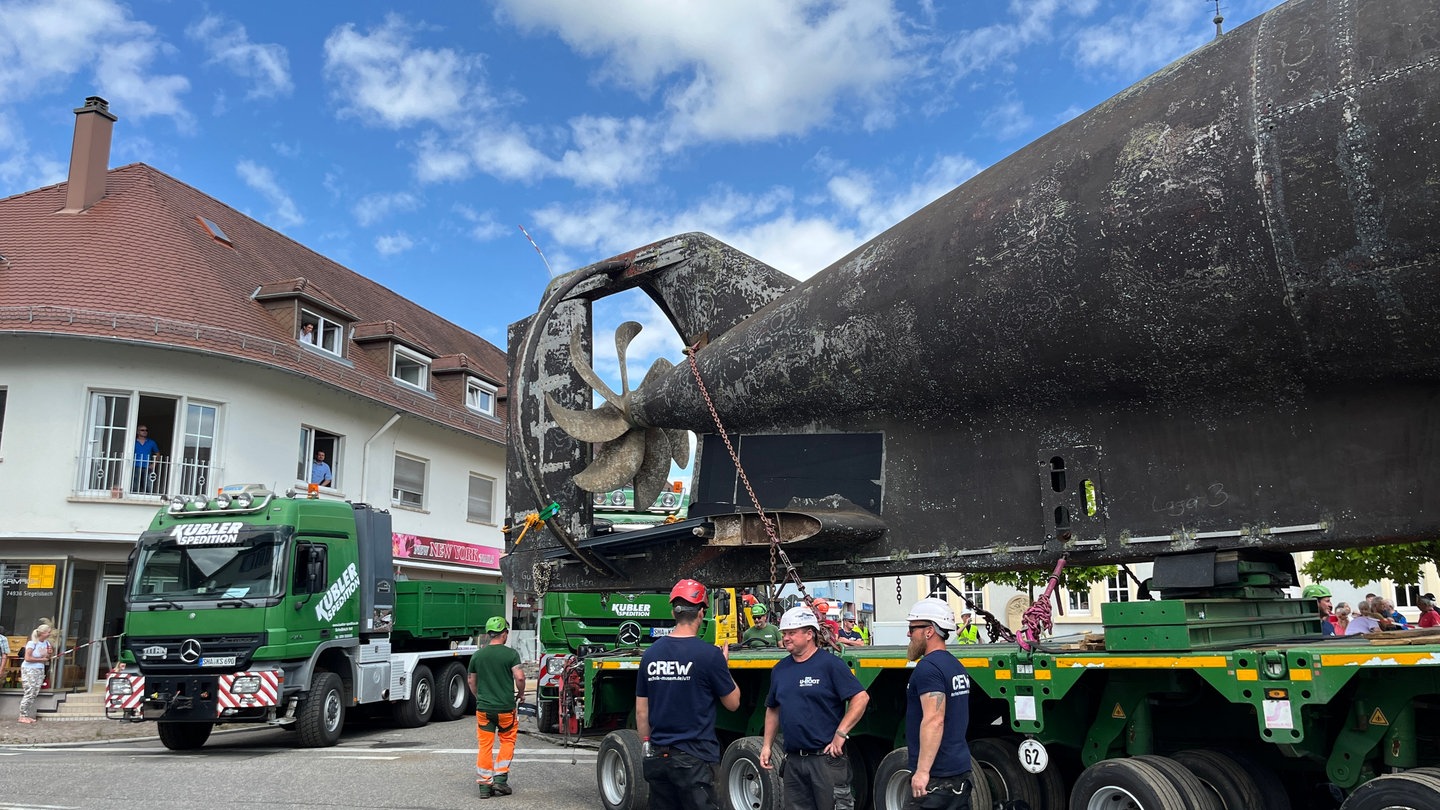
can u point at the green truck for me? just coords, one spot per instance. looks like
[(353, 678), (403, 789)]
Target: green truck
[(249, 607)]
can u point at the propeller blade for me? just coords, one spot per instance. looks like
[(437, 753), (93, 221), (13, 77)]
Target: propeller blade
[(615, 465), (658, 369), (582, 367), (654, 473), (625, 333), (679, 446), (603, 424)]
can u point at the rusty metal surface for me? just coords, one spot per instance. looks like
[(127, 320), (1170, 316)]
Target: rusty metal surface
[(1215, 298)]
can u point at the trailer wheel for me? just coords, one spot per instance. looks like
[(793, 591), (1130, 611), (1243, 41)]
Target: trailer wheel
[(744, 785), (322, 713), (1410, 790), (547, 715), (453, 692), (1225, 777), (1124, 784), (892, 784), (998, 759), (1273, 795), (1192, 791), (619, 772), (416, 711), (184, 736)]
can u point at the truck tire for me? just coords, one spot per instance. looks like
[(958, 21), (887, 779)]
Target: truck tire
[(892, 784), (184, 736), (416, 711), (1411, 790), (744, 785), (322, 712), (547, 715), (1224, 777), (1125, 783), (619, 772), (999, 760), (452, 692), (1192, 791), (1273, 794)]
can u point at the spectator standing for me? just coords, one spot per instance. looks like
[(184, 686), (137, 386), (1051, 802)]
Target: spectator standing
[(146, 449), (1368, 621), (681, 678), (968, 633), (1342, 618), (1321, 595), (307, 334), (38, 652), (761, 632), (937, 713), (816, 700), (320, 471), (1429, 615), (849, 635), (822, 612), (498, 683)]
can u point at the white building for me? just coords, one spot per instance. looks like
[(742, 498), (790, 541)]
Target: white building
[(131, 301)]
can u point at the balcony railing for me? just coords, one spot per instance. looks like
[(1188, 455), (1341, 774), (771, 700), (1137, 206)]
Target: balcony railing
[(123, 476)]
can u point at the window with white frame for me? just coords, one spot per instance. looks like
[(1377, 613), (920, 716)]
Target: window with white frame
[(974, 593), (411, 368), (480, 397), (481, 508), (319, 447), (145, 445), (1079, 600), (1407, 596), (409, 489), (323, 333), (1117, 588)]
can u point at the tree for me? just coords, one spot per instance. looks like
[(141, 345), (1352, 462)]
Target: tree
[(1400, 563)]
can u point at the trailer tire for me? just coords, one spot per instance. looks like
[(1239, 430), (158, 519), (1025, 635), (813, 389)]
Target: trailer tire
[(1192, 791), (416, 711), (547, 715), (1110, 782), (1410, 790), (453, 692), (183, 736), (1273, 795), (744, 785), (998, 760), (892, 784), (1224, 776), (322, 714), (619, 772)]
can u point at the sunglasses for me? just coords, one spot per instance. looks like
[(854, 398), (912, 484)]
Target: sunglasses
[(915, 627)]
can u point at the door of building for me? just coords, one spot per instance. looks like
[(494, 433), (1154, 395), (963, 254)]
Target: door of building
[(110, 616)]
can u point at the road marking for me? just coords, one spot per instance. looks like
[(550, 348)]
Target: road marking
[(351, 756)]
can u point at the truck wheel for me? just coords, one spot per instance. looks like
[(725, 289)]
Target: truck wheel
[(322, 713), (453, 692), (892, 783), (416, 711), (999, 760), (1124, 783), (1272, 790), (744, 785), (619, 772), (1397, 791), (1224, 777), (184, 736), (547, 715), (1192, 791)]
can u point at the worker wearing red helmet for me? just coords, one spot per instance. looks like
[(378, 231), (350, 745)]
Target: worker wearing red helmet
[(681, 678)]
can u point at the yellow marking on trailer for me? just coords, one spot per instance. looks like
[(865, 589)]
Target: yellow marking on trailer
[(1151, 662), (1002, 674), (1246, 675), (1042, 674), (617, 664), (982, 663), (1388, 658), (1377, 718), (1300, 674), (899, 663)]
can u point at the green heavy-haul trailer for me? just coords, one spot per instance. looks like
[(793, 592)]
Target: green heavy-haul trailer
[(249, 607)]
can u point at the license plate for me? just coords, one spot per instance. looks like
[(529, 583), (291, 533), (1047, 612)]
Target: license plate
[(218, 661), (657, 632)]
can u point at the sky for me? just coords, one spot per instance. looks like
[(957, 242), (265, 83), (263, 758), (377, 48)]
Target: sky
[(411, 141)]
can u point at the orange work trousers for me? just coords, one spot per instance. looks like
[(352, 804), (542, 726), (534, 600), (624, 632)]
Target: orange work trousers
[(490, 728)]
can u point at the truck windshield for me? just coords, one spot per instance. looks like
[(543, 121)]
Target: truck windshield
[(209, 561)]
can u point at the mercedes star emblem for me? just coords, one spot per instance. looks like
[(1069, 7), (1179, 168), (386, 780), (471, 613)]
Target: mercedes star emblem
[(190, 651), (629, 633)]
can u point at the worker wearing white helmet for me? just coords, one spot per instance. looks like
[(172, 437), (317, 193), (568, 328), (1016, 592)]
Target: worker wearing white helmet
[(937, 712), (816, 701)]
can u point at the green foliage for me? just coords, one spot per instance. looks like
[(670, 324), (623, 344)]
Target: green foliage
[(1358, 566), (1032, 582)]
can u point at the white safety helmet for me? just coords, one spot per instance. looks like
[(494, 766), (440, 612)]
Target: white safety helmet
[(798, 617), (933, 610)]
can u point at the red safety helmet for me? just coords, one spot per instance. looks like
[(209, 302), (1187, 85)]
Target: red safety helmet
[(688, 590)]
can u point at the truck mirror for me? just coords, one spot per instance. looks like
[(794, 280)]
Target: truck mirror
[(723, 604)]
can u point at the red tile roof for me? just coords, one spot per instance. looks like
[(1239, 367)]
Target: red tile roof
[(138, 267)]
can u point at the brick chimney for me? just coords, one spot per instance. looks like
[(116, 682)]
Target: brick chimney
[(89, 155)]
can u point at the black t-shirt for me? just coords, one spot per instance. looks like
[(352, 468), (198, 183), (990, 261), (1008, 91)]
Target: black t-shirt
[(939, 671), (683, 678), (811, 696)]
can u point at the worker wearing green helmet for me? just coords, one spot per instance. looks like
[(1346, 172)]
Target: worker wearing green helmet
[(762, 633), (1321, 595), (498, 684)]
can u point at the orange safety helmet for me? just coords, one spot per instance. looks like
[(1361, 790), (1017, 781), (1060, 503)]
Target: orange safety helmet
[(822, 609), (688, 590)]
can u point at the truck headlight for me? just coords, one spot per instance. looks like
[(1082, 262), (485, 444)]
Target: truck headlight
[(245, 685), (118, 686)]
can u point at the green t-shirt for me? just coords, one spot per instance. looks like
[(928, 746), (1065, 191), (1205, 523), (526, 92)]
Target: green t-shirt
[(769, 633), (493, 665)]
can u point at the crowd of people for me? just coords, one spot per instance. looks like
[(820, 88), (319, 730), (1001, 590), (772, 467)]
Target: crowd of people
[(1372, 614)]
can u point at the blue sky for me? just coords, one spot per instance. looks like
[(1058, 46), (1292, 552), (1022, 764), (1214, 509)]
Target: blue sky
[(408, 141)]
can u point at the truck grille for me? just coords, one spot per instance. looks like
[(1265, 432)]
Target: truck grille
[(186, 654)]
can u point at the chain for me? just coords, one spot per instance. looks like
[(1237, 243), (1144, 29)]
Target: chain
[(899, 592)]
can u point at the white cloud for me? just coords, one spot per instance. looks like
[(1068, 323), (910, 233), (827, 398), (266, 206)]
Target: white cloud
[(483, 226), (384, 73), (609, 151), (744, 69), (266, 66), (508, 155), (372, 208), (398, 242), (20, 168), (1131, 46), (262, 180), (1007, 120)]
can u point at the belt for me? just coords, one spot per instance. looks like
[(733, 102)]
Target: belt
[(803, 753)]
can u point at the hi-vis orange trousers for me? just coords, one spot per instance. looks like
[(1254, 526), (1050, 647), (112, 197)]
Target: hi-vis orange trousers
[(491, 727)]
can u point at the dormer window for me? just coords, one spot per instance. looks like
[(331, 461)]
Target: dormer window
[(321, 332), (480, 397), (410, 368)]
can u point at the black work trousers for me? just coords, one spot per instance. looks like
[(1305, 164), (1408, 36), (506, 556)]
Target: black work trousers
[(680, 781), (817, 782), (943, 793)]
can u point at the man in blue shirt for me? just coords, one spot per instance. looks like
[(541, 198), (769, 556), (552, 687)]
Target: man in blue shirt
[(807, 700), (681, 677), (320, 471), (145, 448), (937, 712)]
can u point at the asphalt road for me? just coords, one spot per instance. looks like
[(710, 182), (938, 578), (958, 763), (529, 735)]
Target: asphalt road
[(373, 766)]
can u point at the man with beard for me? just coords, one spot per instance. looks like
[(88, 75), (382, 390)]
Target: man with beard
[(807, 700), (937, 712)]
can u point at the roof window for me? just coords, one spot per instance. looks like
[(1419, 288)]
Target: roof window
[(214, 231)]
